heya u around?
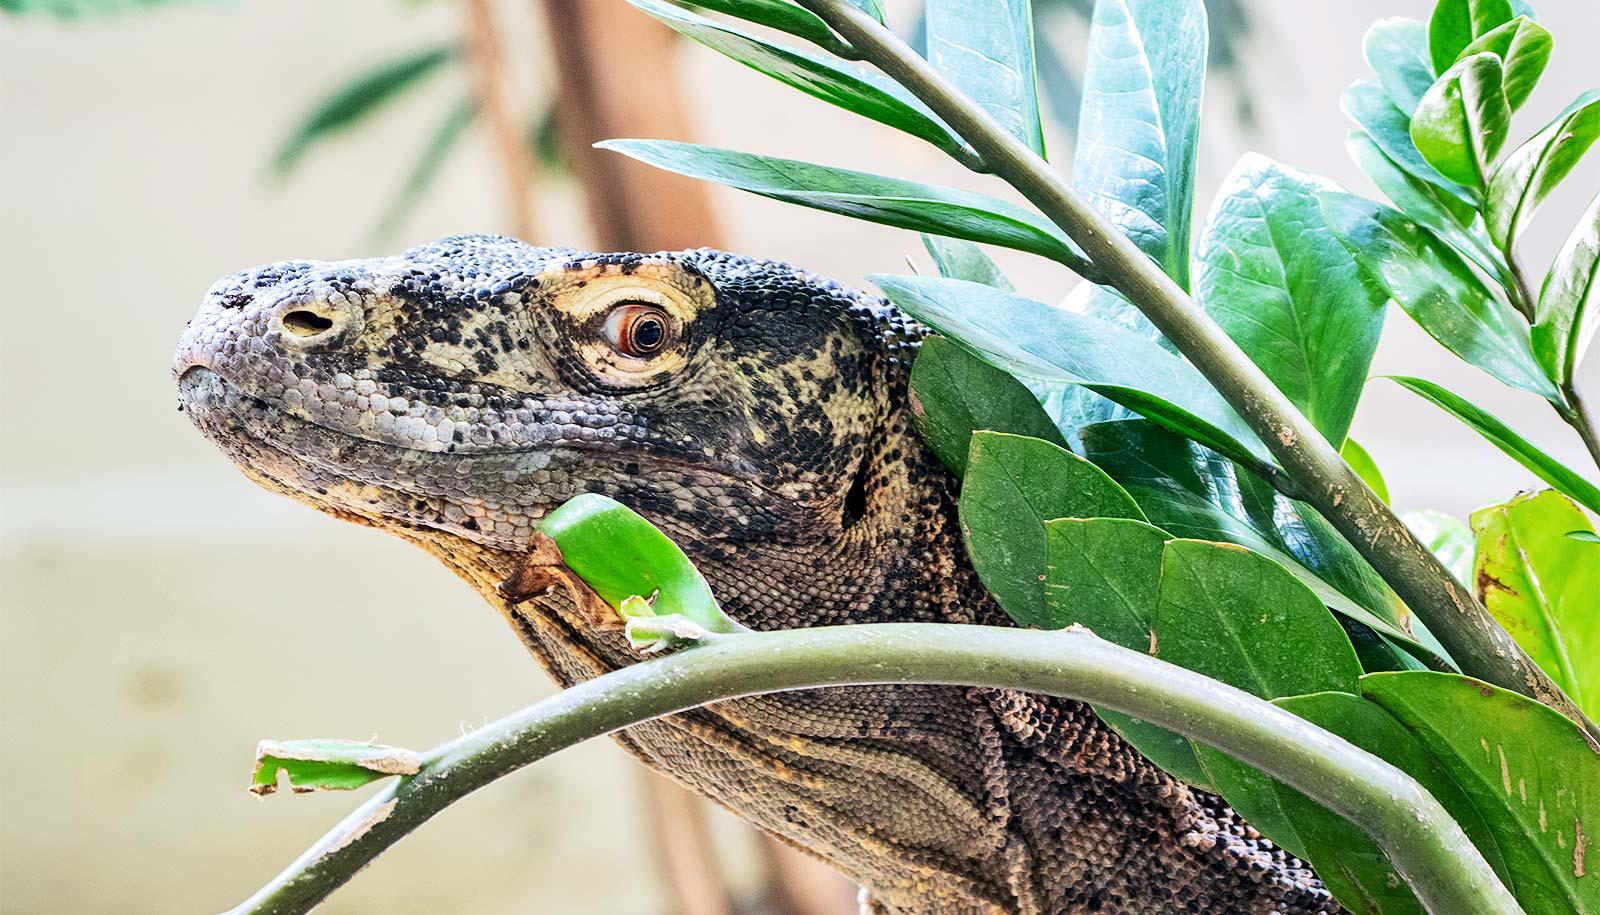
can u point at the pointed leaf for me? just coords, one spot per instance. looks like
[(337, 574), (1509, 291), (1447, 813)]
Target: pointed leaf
[(1543, 587), (1365, 467), (1397, 51), (1569, 305), (1430, 205), (1462, 122), (958, 259), (1507, 440), (1446, 537), (1374, 112), (1139, 128), (1012, 487), (855, 89), (875, 198), (1031, 339), (1192, 492), (1279, 282), (1533, 170), (954, 394), (783, 15), (358, 98), (986, 51), (1428, 279), (1523, 47), (1526, 768), (1456, 23)]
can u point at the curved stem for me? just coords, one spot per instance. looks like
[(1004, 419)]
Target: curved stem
[(1581, 419), (1422, 841), (1452, 613)]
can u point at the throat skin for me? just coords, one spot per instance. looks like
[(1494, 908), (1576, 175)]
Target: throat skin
[(456, 393)]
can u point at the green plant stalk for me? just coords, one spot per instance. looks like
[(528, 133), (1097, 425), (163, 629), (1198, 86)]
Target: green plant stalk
[(1477, 643), (1425, 845), (1581, 419)]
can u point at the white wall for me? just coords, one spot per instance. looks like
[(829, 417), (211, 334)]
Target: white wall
[(161, 614)]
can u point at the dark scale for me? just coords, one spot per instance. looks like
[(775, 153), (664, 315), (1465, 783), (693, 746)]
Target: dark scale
[(778, 451)]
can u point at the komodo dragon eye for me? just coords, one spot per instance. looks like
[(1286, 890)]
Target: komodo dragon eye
[(637, 330)]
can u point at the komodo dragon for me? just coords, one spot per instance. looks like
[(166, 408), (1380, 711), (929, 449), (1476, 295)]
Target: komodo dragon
[(759, 415)]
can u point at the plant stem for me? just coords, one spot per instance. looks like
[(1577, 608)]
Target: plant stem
[(1521, 293), (1462, 625), (1581, 419), (1425, 845)]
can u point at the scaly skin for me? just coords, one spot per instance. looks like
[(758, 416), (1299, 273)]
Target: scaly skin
[(455, 394)]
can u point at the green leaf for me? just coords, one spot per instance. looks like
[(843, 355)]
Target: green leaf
[(1397, 51), (1030, 339), (620, 555), (1274, 276), (986, 51), (1507, 440), (1568, 313), (1533, 170), (328, 765), (355, 100), (954, 394), (1352, 866), (875, 198), (1526, 768), (1195, 493), (1428, 279), (426, 168), (1014, 485), (1461, 123), (1429, 205), (783, 15), (1446, 537), (1456, 23), (1584, 536), (1139, 127), (858, 90), (1523, 47), (1365, 467), (1543, 587), (1390, 128), (1105, 574), (958, 259)]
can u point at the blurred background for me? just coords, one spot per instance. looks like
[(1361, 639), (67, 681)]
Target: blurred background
[(161, 614)]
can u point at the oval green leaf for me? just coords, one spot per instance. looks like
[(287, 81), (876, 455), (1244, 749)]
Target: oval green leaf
[(1523, 47), (1456, 23), (1462, 122), (1532, 170), (986, 51), (1568, 312), (1390, 128), (954, 394), (1430, 205), (1397, 51)]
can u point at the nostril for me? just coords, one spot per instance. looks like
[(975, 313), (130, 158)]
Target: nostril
[(303, 323)]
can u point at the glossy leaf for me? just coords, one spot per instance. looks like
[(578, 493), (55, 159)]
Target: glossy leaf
[(1350, 864), (958, 259), (1397, 51), (1584, 536), (1532, 170), (1456, 23), (423, 172), (1429, 205), (1543, 587), (1195, 493), (1014, 485), (1523, 47), (1507, 440), (1569, 305), (954, 394), (1073, 406), (854, 89), (1525, 767), (1034, 340), (1462, 122), (1139, 127), (327, 765), (1105, 574), (783, 15), (875, 198), (620, 555), (1276, 278), (986, 51), (355, 100), (1428, 279), (1447, 537), (1365, 467), (1390, 129)]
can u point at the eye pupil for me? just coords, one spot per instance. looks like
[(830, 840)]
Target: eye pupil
[(648, 333)]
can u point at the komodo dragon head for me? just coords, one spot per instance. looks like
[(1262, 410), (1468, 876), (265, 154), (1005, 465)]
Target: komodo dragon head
[(457, 393)]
